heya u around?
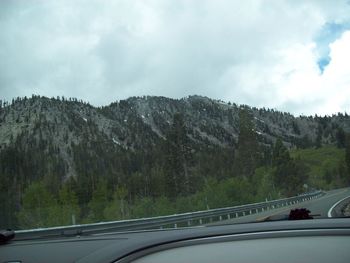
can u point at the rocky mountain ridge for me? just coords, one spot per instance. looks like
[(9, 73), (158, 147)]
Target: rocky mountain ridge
[(139, 123)]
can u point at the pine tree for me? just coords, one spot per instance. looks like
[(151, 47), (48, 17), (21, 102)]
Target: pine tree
[(289, 175), (247, 156), (280, 154), (177, 159), (318, 142), (98, 202), (8, 202), (341, 138)]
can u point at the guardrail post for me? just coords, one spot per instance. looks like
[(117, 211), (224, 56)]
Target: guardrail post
[(256, 211), (220, 218), (228, 216), (200, 221), (243, 213), (175, 225), (236, 215), (189, 223)]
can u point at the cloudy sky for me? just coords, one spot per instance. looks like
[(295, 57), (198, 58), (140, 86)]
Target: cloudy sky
[(292, 55)]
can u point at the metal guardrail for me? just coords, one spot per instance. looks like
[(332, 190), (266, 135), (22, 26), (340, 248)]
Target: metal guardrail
[(177, 220)]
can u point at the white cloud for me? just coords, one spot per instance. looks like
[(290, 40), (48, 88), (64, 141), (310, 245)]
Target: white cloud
[(256, 52), (336, 78)]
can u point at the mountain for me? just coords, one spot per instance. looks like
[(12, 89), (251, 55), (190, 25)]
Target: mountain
[(140, 123), (153, 153)]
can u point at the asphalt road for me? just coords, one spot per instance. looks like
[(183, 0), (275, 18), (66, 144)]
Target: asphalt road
[(319, 206)]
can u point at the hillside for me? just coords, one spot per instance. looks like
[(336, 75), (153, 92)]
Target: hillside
[(156, 150), (140, 122), (323, 165)]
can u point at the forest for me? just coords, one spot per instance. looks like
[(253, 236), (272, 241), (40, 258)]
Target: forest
[(173, 175)]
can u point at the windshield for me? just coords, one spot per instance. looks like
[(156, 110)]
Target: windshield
[(229, 111)]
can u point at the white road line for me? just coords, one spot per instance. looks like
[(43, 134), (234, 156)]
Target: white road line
[(330, 210)]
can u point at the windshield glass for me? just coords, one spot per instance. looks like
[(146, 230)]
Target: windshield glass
[(118, 110)]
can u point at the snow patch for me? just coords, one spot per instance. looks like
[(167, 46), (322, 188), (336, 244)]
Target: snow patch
[(85, 119), (259, 119), (142, 116), (115, 141)]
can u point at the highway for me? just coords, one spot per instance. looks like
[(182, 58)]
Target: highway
[(319, 206)]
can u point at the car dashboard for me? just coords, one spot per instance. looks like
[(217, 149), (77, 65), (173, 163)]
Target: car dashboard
[(318, 240)]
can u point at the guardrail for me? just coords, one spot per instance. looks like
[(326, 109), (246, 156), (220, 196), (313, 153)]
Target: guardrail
[(177, 220)]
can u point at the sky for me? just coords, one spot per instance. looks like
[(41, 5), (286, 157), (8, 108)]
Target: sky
[(290, 55)]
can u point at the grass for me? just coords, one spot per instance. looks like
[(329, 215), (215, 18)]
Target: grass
[(323, 165)]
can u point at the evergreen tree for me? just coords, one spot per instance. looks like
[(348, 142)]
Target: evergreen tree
[(289, 175), (280, 154), (177, 159), (68, 205), (8, 202), (157, 183), (341, 138), (304, 142), (319, 137), (297, 177), (247, 156), (98, 202)]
